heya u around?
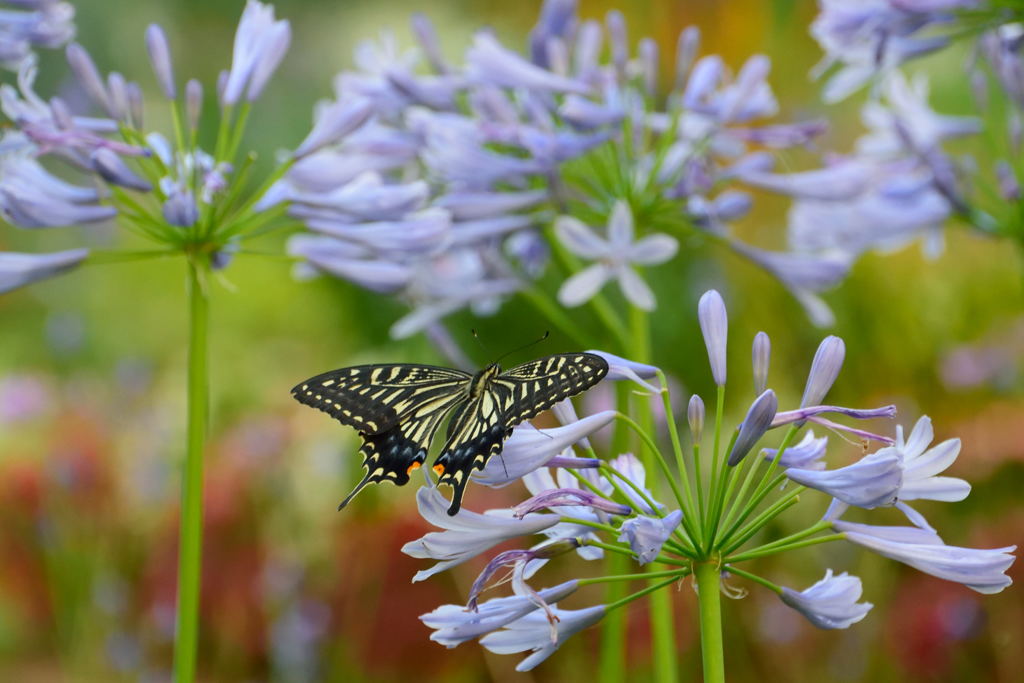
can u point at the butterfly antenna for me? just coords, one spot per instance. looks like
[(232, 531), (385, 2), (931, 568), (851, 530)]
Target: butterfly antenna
[(479, 340), (544, 336)]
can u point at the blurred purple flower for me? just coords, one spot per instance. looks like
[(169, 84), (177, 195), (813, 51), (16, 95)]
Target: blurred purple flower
[(646, 535), (18, 270)]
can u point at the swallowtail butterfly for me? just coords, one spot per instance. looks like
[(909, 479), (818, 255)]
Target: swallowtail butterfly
[(398, 408)]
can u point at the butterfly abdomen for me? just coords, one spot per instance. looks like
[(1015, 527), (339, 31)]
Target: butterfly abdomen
[(482, 380)]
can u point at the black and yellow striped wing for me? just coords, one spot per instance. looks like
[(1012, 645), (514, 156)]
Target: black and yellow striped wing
[(396, 408), (478, 429)]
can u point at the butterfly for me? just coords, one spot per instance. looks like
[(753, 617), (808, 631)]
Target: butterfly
[(398, 408)]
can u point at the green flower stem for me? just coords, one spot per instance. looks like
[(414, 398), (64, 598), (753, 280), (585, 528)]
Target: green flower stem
[(715, 456), (792, 538), (756, 500), (584, 481), (278, 173), (786, 440), (223, 133), (612, 664), (664, 467), (622, 550), (191, 524), (593, 525), (639, 594), (611, 474), (710, 601), (238, 131), (757, 552), (674, 573), (730, 544), (689, 510), (554, 313), (753, 577), (216, 213), (726, 484), (741, 496), (698, 477)]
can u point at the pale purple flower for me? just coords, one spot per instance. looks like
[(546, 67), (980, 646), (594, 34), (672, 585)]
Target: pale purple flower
[(350, 262), (714, 325), (761, 353), (615, 256), (805, 455), (530, 448), (193, 102), (830, 603), (646, 535), (454, 624), (982, 570), (112, 168), (518, 561), (260, 45), (755, 424), (872, 481), (533, 633), (18, 270), (839, 181), (919, 467), (466, 534), (630, 467), (542, 480)]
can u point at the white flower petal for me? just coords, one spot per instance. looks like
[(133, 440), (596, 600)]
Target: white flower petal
[(583, 285)]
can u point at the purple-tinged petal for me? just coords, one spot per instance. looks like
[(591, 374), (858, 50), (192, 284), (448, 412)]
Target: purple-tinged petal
[(831, 603), (653, 249), (841, 181), (530, 448), (476, 205), (871, 482), (454, 624), (88, 75), (554, 498), (533, 632), (334, 122), (646, 535), (18, 269), (580, 239), (113, 169), (466, 534), (636, 291), (582, 286), (982, 570), (488, 62), (805, 455)]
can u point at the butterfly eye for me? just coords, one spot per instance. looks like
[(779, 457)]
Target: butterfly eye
[(438, 470), (412, 468)]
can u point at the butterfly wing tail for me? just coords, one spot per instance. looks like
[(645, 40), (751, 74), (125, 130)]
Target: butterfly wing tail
[(359, 487)]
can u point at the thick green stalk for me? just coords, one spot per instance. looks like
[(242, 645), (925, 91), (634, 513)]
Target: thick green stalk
[(709, 598), (191, 525), (612, 667)]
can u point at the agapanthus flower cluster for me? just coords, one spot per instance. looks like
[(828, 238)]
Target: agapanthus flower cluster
[(29, 24), (913, 185), (705, 511), (567, 163), (162, 186)]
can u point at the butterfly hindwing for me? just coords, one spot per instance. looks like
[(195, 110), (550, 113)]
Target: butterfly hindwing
[(396, 408), (476, 432)]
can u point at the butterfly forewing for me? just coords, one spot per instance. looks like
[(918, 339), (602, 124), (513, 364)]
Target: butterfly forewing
[(396, 408), (536, 386)]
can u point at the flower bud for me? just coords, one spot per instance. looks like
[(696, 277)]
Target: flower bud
[(762, 353), (193, 102), (757, 422), (695, 416), (828, 360), (160, 56), (714, 324)]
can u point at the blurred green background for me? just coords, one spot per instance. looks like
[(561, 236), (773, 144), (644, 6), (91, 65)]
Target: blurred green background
[(92, 412)]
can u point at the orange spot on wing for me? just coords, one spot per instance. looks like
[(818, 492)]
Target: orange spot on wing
[(438, 470), (413, 467)]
